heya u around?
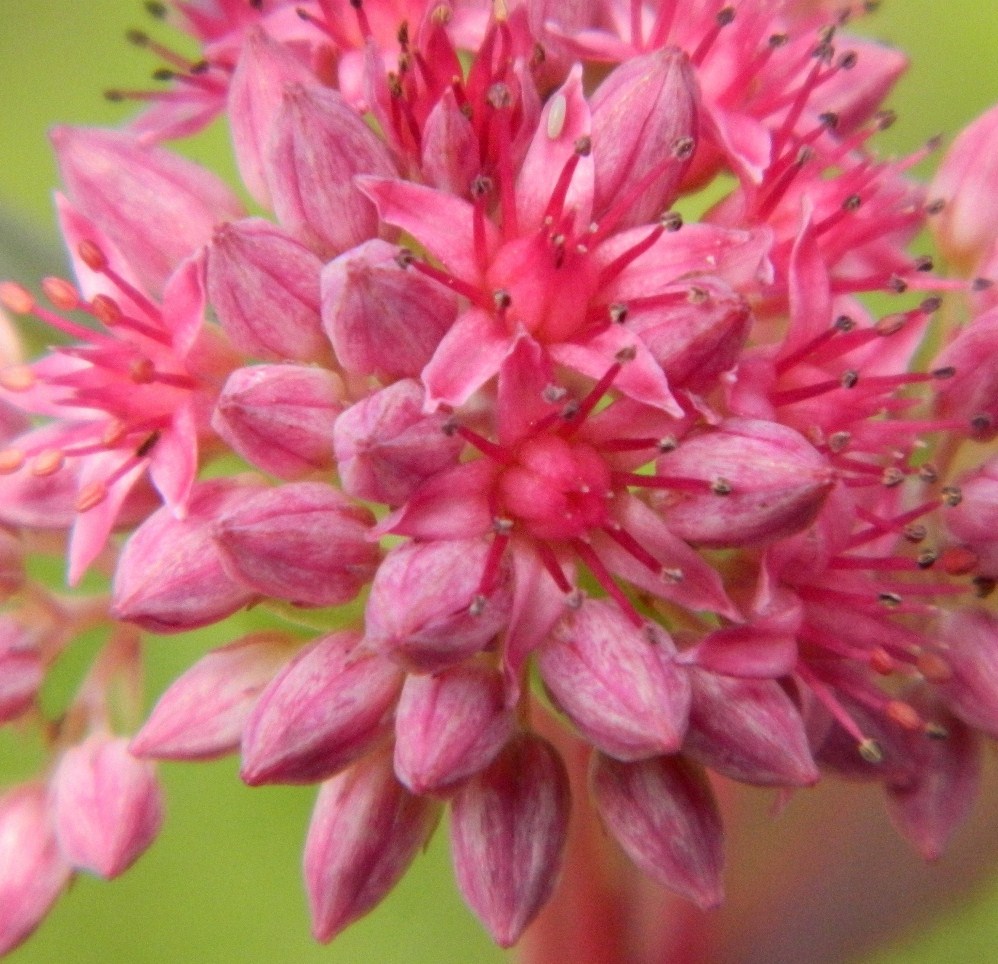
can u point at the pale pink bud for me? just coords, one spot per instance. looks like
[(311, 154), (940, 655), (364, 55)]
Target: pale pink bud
[(426, 609), (967, 183), (155, 206), (280, 417), (202, 714), (318, 144), (749, 730), (304, 542), (508, 830), (967, 642), (381, 318), (326, 708), (766, 482), (33, 871), (170, 576), (450, 148), (696, 337), (106, 804), (662, 812), (21, 669), (972, 391), (449, 726), (644, 120), (929, 808), (386, 447), (975, 520), (256, 92), (618, 684), (366, 829), (264, 287)]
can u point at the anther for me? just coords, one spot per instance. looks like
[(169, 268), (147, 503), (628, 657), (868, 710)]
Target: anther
[(870, 751), (155, 9), (844, 323), (672, 221), (683, 147), (933, 667), (629, 353), (17, 378), (499, 95), (725, 16), (927, 472), (137, 37), (477, 606), (889, 599), (943, 373), (720, 486), (924, 262), (926, 559), (90, 496), (981, 284), (583, 146), (981, 423), (904, 714), (667, 443), (142, 371), (673, 575), (776, 40), (553, 394), (915, 532), (618, 313), (404, 257), (852, 203), (951, 496), (163, 74), (575, 599), (829, 119), (91, 255), (850, 378), (11, 460), (885, 119), (897, 284), (501, 299), (930, 305), (848, 60), (61, 294), (839, 441), (892, 477), (47, 462), (502, 526), (984, 586), (148, 444), (936, 731), (106, 310), (936, 206), (16, 298), (958, 560)]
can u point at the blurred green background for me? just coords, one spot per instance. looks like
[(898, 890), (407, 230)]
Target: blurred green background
[(223, 883)]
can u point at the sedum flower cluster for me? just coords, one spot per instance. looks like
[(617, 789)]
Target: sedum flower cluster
[(569, 366)]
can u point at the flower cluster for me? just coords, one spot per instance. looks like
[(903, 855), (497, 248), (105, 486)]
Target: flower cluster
[(575, 373)]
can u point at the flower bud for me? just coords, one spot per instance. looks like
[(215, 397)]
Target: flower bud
[(106, 805), (968, 645), (202, 714), (508, 831), (645, 108), (33, 871), (426, 609), (768, 482), (256, 92), (698, 336), (170, 577), (264, 287), (966, 182), (449, 726), (366, 829), (935, 802), (972, 393), (318, 143), (748, 730), (280, 417), (385, 446), (619, 685), (321, 712), (381, 318), (304, 542), (975, 520), (662, 812), (21, 669), (450, 148), (111, 177)]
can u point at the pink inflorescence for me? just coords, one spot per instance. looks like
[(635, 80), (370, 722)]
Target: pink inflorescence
[(574, 467)]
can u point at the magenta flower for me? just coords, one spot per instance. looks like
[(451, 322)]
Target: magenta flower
[(580, 513)]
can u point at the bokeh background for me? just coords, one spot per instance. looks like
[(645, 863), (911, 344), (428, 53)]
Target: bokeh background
[(223, 882)]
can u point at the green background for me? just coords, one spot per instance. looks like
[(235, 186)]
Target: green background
[(223, 884)]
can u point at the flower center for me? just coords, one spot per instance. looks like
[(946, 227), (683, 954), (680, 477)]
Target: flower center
[(555, 488)]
